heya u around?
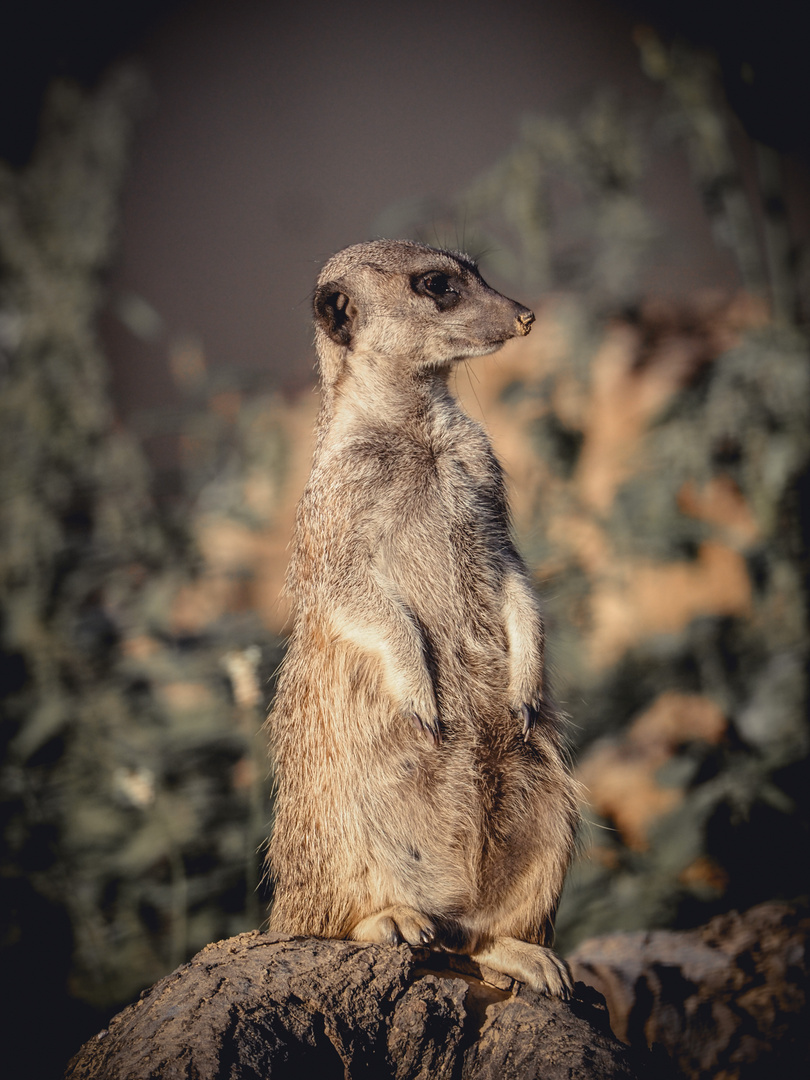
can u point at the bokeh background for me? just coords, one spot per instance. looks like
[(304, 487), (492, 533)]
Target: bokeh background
[(172, 176)]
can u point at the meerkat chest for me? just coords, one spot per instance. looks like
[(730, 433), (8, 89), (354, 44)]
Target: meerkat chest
[(446, 483), (445, 519), (426, 498)]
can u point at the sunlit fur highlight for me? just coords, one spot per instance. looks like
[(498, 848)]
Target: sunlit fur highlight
[(422, 791)]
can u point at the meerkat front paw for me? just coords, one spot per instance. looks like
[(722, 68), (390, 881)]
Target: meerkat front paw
[(394, 925), (428, 726), (528, 713), (423, 713), (526, 705), (535, 965)]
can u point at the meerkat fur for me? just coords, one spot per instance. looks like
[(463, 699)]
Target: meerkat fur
[(422, 790)]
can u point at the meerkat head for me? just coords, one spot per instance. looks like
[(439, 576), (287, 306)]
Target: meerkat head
[(419, 306)]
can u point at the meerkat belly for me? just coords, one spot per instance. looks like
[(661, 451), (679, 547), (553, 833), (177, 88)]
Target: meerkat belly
[(422, 830), (451, 802), (451, 832)]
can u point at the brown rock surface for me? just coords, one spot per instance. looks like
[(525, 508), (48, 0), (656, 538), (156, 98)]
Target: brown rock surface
[(261, 1005), (726, 1001)]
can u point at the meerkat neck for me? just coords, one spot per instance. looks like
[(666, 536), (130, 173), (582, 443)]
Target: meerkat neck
[(384, 386)]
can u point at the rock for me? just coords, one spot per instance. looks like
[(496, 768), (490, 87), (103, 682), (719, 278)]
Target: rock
[(727, 1000), (261, 1005)]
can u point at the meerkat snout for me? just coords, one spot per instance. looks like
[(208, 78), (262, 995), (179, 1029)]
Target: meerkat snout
[(526, 318)]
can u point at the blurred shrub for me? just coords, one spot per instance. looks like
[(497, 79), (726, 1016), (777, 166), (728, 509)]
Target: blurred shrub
[(134, 781)]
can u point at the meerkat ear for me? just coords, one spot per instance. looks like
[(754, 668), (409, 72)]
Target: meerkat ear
[(334, 312)]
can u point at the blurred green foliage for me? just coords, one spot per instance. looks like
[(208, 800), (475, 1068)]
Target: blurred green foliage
[(134, 778)]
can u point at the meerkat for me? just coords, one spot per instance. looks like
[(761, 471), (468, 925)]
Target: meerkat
[(422, 792)]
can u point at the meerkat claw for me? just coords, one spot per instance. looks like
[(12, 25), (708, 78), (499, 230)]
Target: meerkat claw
[(395, 925), (529, 714), (427, 727)]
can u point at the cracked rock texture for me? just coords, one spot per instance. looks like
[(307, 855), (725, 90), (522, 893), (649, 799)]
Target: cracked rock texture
[(261, 1005), (727, 1000)]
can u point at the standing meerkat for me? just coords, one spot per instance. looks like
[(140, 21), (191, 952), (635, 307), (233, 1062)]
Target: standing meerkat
[(422, 791)]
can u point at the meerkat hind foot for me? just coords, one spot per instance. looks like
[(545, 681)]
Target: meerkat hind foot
[(395, 924), (536, 965)]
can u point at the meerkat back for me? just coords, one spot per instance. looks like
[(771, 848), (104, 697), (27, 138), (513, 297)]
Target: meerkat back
[(422, 793)]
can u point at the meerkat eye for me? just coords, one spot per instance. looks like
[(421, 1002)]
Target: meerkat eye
[(436, 285)]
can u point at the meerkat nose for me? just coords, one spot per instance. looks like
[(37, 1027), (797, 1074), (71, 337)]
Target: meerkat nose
[(525, 320)]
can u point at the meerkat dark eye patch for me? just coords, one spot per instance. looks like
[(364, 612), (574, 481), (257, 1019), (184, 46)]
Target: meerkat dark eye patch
[(334, 311), (437, 285)]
